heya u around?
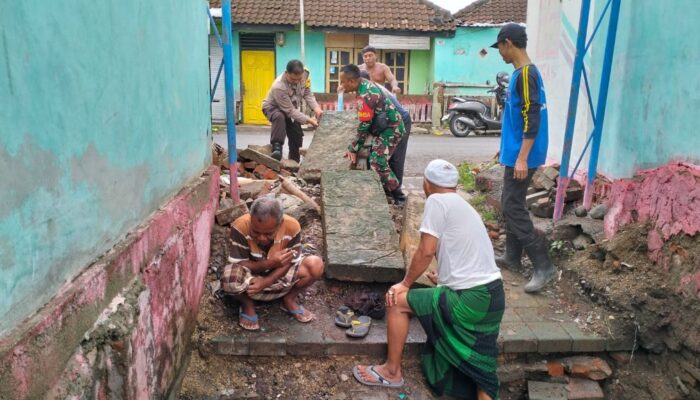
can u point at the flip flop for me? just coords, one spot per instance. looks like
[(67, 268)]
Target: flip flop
[(299, 314), (381, 381), (359, 327), (253, 319), (343, 317)]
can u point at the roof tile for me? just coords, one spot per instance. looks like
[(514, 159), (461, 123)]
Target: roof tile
[(492, 12), (405, 15)]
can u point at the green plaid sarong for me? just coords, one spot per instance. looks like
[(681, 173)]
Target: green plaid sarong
[(462, 328)]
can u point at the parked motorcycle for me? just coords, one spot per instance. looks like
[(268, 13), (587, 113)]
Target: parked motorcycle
[(467, 115)]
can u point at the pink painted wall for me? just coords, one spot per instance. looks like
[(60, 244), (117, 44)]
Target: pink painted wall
[(122, 328)]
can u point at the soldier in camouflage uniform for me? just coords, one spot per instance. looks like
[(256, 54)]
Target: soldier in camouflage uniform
[(371, 103)]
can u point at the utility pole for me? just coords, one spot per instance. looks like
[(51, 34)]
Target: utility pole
[(301, 27)]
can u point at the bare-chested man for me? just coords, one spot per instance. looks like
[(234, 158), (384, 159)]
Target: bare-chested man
[(378, 72)]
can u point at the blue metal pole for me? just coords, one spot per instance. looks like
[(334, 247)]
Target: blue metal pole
[(228, 85), (602, 101), (573, 104)]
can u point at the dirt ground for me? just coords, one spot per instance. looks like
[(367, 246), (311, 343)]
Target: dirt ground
[(644, 301)]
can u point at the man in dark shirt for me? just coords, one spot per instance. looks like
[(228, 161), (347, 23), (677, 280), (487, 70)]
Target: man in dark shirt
[(524, 140)]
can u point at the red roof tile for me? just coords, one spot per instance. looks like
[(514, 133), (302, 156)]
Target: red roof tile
[(492, 12), (399, 15)]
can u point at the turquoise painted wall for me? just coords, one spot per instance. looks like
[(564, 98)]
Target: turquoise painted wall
[(104, 115), (314, 53), (457, 59), (652, 112), (420, 77)]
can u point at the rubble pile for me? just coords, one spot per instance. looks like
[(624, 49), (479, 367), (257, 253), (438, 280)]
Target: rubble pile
[(543, 190)]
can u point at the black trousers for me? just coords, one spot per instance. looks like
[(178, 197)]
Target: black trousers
[(283, 127), (518, 222), (397, 160)]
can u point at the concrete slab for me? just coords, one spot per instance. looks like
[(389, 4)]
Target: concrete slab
[(546, 391), (361, 242), (330, 142)]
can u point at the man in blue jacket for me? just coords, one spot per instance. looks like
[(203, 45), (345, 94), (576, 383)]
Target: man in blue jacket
[(523, 149)]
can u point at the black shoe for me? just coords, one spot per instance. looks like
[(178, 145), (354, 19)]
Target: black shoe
[(511, 258), (277, 151), (544, 269), (399, 197)]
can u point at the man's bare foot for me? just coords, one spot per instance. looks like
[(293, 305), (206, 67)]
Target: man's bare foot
[(247, 319), (377, 375), (290, 306)]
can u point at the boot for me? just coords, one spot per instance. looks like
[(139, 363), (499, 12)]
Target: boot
[(276, 151), (294, 154), (399, 197), (544, 269), (511, 258)]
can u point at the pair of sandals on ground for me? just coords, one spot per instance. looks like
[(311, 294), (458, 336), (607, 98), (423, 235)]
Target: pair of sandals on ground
[(251, 322)]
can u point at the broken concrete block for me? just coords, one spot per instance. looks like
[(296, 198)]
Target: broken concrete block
[(260, 158), (598, 212), (551, 173), (546, 391), (410, 235), (582, 241), (533, 198), (361, 243), (251, 188), (262, 149), (573, 194), (229, 212), (581, 211), (541, 182), (543, 208), (584, 389), (328, 147), (587, 367), (290, 165), (490, 180)]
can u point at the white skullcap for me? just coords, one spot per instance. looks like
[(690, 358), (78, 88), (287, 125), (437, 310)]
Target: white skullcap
[(441, 173)]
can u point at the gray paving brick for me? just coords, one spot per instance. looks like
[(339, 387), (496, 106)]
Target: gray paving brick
[(546, 391), (582, 341), (230, 345), (551, 337), (530, 314), (268, 345), (305, 340), (510, 315), (518, 338)]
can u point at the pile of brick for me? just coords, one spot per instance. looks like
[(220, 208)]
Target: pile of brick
[(261, 175), (572, 378), (543, 190)]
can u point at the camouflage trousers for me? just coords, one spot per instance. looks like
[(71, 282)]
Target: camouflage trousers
[(383, 146)]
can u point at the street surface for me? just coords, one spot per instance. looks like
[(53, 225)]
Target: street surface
[(421, 148)]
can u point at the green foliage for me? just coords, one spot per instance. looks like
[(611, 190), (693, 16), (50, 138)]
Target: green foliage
[(467, 176), (488, 214), (560, 248)]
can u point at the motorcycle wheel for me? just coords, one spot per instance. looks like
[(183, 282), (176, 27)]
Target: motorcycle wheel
[(459, 129)]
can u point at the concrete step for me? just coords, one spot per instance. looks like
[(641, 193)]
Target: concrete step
[(529, 326)]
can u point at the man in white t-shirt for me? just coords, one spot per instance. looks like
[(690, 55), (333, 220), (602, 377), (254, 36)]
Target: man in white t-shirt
[(462, 315)]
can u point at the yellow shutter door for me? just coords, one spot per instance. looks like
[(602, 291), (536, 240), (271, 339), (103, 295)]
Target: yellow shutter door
[(257, 75)]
